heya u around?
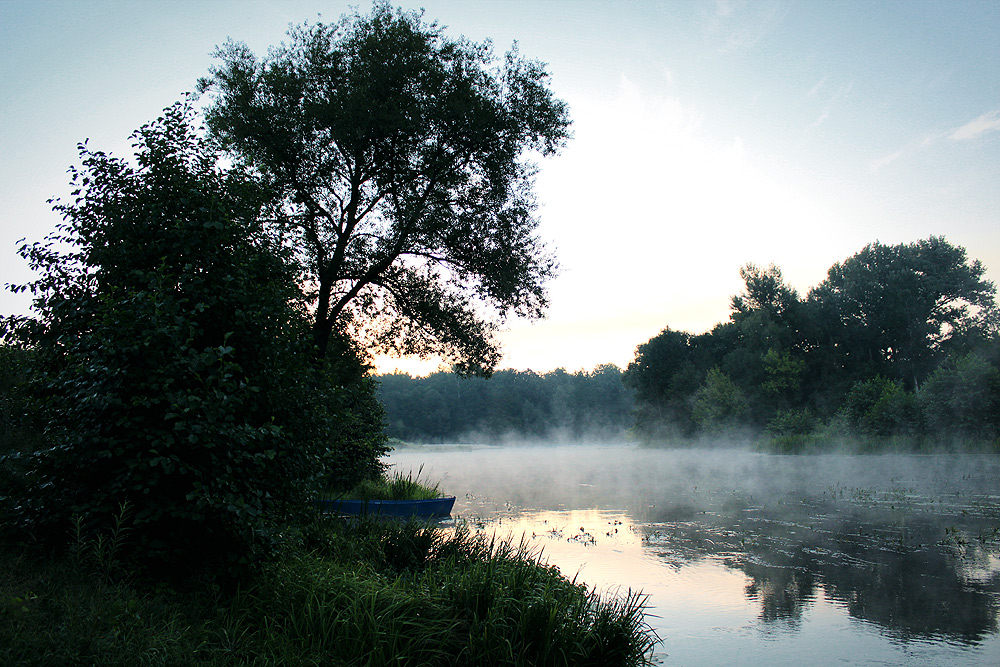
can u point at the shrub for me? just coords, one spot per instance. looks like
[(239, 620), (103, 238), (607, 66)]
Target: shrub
[(172, 365), (791, 431), (719, 405), (961, 400), (881, 408)]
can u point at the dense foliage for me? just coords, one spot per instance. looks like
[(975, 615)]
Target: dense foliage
[(897, 343), (19, 429), (519, 405), (170, 364), (398, 159)]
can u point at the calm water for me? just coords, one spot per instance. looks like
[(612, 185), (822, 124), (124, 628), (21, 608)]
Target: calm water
[(757, 559)]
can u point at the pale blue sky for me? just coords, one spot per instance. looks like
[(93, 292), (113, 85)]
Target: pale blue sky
[(707, 135)]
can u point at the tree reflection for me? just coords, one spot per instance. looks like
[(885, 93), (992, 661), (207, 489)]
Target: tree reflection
[(890, 566), (783, 593)]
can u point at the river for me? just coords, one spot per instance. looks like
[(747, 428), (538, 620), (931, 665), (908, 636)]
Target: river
[(756, 559)]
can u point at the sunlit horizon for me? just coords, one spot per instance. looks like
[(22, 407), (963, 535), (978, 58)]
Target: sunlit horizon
[(707, 135)]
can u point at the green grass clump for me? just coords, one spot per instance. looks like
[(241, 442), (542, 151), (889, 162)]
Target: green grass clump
[(394, 486), (347, 593)]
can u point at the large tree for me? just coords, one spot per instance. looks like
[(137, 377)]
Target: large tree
[(888, 309), (761, 345), (400, 161)]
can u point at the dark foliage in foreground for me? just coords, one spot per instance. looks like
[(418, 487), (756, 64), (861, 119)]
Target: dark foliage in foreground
[(363, 594), (170, 367)]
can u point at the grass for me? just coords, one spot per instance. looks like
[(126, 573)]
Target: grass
[(393, 486), (352, 593)]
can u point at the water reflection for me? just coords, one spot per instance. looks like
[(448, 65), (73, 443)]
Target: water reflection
[(915, 572), (879, 559), (783, 593)]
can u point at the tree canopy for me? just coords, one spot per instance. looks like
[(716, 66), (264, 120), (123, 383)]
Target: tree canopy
[(853, 354), (895, 306), (765, 291), (399, 158)]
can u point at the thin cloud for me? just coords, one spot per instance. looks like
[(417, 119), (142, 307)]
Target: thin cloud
[(819, 86), (911, 148), (841, 93), (740, 25), (975, 128), (878, 164), (988, 122), (822, 117)]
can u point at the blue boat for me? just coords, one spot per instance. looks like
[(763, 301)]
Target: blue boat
[(422, 509)]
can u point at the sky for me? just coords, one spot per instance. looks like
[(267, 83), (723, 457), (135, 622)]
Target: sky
[(707, 135)]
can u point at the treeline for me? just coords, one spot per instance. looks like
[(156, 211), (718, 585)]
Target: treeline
[(898, 346), (444, 407)]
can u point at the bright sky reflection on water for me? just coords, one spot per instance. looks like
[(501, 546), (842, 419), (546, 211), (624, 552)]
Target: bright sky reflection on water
[(749, 559)]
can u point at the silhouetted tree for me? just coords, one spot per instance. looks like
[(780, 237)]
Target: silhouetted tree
[(664, 377), (855, 353), (398, 156), (765, 291)]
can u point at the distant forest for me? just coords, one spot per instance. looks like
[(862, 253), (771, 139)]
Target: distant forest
[(898, 348), (509, 406)]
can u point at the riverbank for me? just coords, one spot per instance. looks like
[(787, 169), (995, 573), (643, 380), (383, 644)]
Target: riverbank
[(371, 593)]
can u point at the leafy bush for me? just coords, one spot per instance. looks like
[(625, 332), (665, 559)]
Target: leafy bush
[(792, 422), (791, 431), (356, 443), (961, 400), (719, 405), (881, 408), (172, 363)]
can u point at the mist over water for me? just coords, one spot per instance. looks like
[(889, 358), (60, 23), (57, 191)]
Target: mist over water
[(757, 558)]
